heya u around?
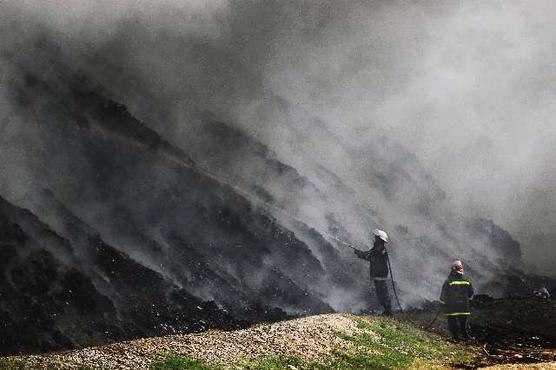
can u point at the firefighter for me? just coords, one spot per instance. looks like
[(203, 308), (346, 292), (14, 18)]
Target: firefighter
[(378, 266), (456, 293)]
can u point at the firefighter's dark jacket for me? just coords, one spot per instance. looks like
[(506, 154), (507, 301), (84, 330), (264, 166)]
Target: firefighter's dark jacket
[(378, 261), (456, 292)]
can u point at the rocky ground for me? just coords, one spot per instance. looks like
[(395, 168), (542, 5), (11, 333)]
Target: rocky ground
[(309, 337)]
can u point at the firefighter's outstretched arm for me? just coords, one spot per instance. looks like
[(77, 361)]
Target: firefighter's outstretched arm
[(362, 254)]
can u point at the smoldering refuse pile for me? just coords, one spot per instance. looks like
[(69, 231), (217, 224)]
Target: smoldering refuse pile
[(214, 261), (110, 231)]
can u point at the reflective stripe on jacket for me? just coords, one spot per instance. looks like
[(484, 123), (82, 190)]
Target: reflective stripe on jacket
[(456, 292)]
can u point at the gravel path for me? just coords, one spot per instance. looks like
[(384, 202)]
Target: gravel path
[(309, 337)]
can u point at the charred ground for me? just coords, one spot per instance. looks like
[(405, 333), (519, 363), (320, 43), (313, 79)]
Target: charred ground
[(513, 330)]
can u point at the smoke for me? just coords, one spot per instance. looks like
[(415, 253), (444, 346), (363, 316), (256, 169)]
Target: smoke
[(339, 90), (478, 112)]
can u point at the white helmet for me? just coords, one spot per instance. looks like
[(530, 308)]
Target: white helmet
[(381, 234)]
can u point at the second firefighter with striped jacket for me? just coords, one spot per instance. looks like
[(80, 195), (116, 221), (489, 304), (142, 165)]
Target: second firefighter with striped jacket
[(456, 293)]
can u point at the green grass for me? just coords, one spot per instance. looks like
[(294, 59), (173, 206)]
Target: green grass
[(6, 364), (385, 343), (179, 362), (380, 343), (275, 363), (10, 365)]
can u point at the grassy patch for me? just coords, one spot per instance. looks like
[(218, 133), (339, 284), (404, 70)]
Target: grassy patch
[(276, 363), (380, 343), (178, 362), (385, 343), (6, 364)]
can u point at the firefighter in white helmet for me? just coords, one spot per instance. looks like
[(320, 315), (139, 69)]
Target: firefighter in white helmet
[(378, 266)]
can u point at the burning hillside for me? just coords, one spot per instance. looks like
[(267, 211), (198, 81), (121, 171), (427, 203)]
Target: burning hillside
[(158, 177)]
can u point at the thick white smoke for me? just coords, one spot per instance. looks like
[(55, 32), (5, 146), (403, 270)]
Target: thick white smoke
[(466, 86)]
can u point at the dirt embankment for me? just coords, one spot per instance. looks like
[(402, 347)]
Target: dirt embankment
[(309, 337), (315, 338)]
